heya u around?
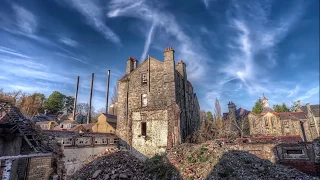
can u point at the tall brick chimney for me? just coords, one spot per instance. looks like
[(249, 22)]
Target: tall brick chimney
[(170, 92), (131, 64)]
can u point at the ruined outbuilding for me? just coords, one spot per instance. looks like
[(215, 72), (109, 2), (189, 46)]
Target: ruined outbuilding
[(22, 152)]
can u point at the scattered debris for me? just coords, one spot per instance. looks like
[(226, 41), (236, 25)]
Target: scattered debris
[(187, 161), (117, 165)]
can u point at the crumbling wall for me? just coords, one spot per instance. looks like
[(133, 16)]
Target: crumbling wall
[(11, 146), (155, 140), (75, 158), (39, 168)]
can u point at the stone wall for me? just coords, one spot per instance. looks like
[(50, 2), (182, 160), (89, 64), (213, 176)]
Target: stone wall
[(155, 140), (39, 168), (75, 158), (271, 125), (79, 149)]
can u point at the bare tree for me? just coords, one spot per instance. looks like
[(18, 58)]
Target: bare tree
[(217, 110), (82, 108), (31, 104), (114, 97), (14, 97), (241, 123), (203, 116), (219, 128)]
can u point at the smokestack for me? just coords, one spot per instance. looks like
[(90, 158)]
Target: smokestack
[(90, 100), (75, 99), (108, 91)]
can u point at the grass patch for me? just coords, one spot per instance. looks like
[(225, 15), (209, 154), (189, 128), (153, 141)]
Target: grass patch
[(190, 178), (191, 159), (203, 159), (203, 150)]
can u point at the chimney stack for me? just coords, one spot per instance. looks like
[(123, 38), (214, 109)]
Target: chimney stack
[(107, 100), (75, 99), (131, 64), (90, 100)]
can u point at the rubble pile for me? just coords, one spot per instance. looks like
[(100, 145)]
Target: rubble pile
[(188, 161), (208, 161), (117, 165), (243, 165)]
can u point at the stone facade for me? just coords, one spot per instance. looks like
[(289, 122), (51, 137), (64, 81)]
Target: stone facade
[(156, 107), (272, 123)]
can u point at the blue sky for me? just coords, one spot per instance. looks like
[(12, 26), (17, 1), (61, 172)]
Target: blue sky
[(234, 50)]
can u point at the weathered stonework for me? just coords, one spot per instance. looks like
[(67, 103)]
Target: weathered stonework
[(39, 168), (271, 123), (157, 96)]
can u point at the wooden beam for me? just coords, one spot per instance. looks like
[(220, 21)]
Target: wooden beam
[(25, 156)]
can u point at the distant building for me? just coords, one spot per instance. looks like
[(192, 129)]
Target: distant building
[(66, 125), (304, 123), (107, 123), (113, 109), (46, 125), (157, 107)]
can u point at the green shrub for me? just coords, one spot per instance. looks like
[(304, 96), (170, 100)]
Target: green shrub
[(203, 159), (191, 159)]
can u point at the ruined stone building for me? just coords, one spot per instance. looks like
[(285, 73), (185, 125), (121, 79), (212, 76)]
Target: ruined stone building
[(157, 107), (23, 155), (304, 122)]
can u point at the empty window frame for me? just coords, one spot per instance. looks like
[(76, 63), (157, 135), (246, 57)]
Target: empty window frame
[(143, 128), (296, 152), (144, 78), (272, 121), (144, 100), (266, 122)]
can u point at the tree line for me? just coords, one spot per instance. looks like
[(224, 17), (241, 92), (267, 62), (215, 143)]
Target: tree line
[(258, 107), (33, 104)]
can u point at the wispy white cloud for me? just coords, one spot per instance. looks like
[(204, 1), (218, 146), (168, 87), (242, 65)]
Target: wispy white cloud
[(310, 93), (22, 62), (71, 57), (207, 3), (192, 53), (94, 15), (69, 42), (294, 91), (148, 42), (9, 51), (3, 77), (26, 20), (294, 59), (256, 35)]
